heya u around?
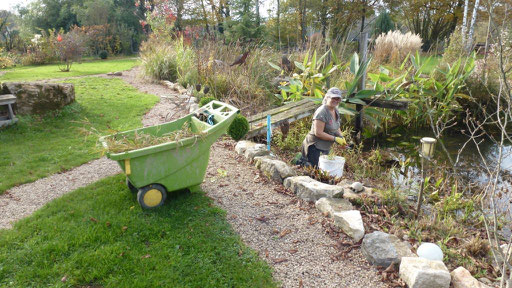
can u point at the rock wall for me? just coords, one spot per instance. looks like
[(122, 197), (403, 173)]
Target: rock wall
[(39, 98)]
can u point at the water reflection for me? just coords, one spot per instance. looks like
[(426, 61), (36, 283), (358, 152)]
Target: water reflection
[(470, 165)]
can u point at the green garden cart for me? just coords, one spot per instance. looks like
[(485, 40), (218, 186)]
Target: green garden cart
[(155, 170)]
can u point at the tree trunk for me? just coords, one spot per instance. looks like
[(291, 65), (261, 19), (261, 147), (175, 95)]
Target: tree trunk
[(179, 15), (323, 17), (302, 21), (278, 23), (464, 23), (363, 16), (205, 17), (257, 13), (472, 27)]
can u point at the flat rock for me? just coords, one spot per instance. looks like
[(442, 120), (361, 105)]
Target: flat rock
[(276, 169), (351, 223), (256, 150), (309, 189), (461, 278), (423, 273), (333, 205), (382, 249), (241, 146)]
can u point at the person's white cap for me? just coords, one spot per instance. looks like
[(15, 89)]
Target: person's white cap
[(334, 92)]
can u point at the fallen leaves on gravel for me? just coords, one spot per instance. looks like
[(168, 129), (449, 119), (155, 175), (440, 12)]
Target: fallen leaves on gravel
[(390, 276), (262, 218), (293, 251), (280, 260), (285, 232)]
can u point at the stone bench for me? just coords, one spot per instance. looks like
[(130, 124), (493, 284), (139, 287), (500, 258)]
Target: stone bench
[(8, 100)]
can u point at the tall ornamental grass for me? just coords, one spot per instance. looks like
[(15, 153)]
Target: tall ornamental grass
[(393, 47), (171, 61)]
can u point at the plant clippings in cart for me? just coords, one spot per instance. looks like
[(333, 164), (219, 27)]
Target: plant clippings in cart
[(121, 143)]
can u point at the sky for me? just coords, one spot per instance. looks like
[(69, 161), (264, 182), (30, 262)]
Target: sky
[(9, 4)]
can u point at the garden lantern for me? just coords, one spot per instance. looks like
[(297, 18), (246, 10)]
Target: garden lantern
[(426, 152), (427, 147)]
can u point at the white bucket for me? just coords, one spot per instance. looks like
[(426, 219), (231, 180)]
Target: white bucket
[(334, 167)]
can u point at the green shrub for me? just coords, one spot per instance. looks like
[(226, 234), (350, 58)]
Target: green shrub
[(206, 100), (103, 54), (239, 127)]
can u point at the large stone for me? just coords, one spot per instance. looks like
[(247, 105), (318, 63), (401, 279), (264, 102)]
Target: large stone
[(423, 273), (310, 189), (333, 205), (241, 146), (256, 150), (39, 98), (461, 278), (382, 249), (351, 223), (277, 170)]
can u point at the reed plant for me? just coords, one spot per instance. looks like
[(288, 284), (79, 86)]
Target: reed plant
[(169, 60), (393, 47)]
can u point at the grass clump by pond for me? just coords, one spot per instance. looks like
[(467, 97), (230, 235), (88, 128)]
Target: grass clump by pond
[(99, 236), (39, 146), (29, 73)]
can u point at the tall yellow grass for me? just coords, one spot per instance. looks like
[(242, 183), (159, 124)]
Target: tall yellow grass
[(393, 47)]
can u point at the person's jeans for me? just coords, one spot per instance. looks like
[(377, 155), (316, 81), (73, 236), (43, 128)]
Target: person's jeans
[(314, 155)]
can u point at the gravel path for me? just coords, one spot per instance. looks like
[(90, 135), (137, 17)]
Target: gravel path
[(288, 233)]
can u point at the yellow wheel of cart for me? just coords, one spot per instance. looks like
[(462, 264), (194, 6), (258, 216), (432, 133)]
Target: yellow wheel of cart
[(152, 196)]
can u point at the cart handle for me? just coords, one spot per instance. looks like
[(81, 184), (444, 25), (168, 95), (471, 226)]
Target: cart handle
[(220, 108)]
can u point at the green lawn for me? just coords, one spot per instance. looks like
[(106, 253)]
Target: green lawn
[(98, 236), (29, 73), (40, 146)]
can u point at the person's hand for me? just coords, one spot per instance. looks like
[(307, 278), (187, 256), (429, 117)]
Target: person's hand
[(340, 140)]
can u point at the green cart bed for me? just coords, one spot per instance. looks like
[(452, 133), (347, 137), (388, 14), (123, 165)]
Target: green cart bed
[(155, 170)]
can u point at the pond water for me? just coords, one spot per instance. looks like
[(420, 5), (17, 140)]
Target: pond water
[(470, 165)]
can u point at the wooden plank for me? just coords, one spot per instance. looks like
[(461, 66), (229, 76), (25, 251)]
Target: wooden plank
[(260, 127), (388, 104), (277, 110), (287, 114), (7, 99), (8, 122)]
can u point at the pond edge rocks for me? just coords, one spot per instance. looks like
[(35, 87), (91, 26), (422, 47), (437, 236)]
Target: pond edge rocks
[(379, 248), (423, 273), (383, 249)]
